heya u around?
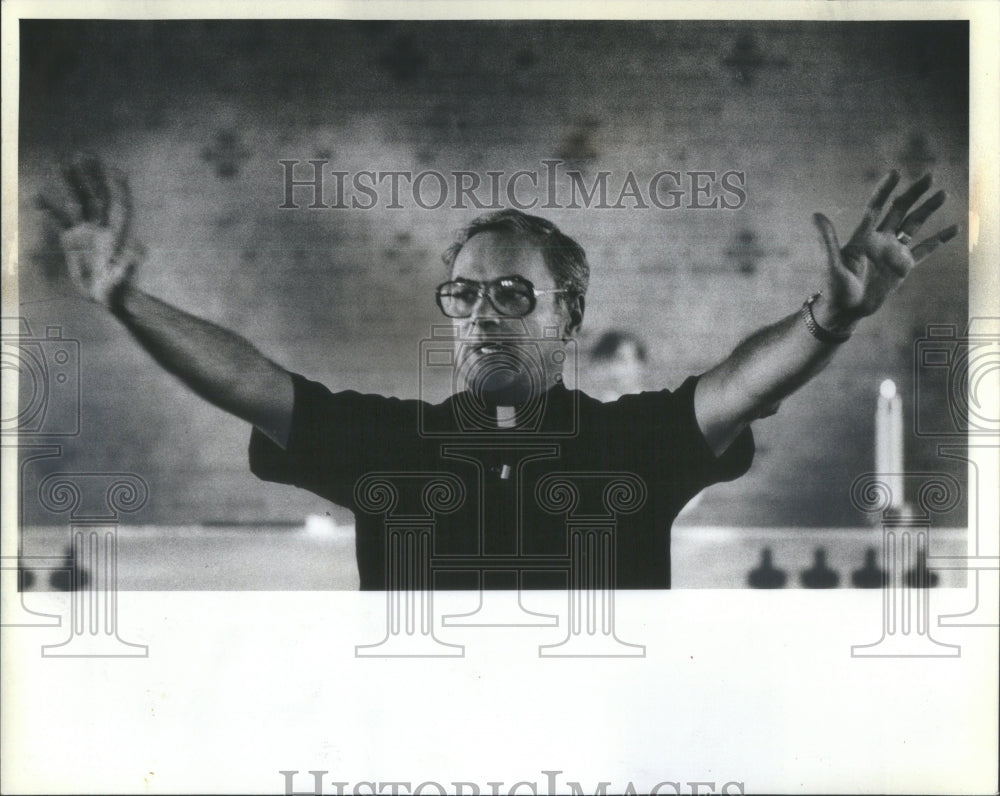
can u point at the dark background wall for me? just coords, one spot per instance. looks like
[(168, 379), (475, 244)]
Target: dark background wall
[(199, 114)]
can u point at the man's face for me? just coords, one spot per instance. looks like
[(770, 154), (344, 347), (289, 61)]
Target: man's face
[(507, 360)]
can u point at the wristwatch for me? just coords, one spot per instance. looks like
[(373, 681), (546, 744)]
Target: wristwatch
[(817, 331)]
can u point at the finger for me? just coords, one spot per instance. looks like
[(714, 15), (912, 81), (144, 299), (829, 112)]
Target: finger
[(75, 243), (120, 272), (923, 251), (119, 208), (84, 176), (62, 216), (915, 220), (79, 189), (117, 272), (874, 209), (830, 242), (133, 253), (901, 204), (93, 171)]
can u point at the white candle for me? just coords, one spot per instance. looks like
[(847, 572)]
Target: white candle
[(889, 440)]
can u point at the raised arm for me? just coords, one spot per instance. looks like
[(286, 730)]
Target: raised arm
[(101, 256), (778, 359)]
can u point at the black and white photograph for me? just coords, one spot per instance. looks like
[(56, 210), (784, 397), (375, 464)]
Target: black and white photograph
[(623, 385)]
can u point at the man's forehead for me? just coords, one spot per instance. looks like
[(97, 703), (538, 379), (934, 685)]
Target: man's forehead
[(497, 253)]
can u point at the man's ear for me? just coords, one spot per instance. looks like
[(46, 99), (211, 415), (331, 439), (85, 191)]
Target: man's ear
[(576, 308)]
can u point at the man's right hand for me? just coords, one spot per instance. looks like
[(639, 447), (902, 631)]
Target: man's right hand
[(217, 364), (95, 220)]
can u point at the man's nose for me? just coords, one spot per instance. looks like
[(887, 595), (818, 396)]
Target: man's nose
[(483, 313)]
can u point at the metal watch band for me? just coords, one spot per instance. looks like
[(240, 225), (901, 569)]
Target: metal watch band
[(817, 331)]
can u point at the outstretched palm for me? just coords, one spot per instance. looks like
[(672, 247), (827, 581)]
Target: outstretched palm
[(95, 222), (875, 260)]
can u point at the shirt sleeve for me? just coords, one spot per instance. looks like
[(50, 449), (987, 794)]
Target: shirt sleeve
[(335, 438), (675, 453)]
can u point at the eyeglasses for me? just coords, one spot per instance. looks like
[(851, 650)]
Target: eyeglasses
[(511, 296)]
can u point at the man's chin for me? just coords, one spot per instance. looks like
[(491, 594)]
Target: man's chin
[(501, 386)]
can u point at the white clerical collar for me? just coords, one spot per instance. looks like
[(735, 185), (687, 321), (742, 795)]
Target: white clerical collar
[(506, 416)]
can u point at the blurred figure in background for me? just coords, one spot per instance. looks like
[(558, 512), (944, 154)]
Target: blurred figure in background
[(618, 365)]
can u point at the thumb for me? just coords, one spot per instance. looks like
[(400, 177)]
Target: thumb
[(830, 242), (133, 253), (74, 244)]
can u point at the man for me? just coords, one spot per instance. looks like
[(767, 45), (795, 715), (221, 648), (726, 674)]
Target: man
[(619, 361), (506, 467)]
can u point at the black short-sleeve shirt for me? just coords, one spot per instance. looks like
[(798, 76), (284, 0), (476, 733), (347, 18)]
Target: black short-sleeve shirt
[(503, 504)]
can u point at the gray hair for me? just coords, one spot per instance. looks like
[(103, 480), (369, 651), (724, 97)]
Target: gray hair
[(564, 257)]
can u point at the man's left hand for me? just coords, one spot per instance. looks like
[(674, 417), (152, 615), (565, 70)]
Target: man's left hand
[(876, 259)]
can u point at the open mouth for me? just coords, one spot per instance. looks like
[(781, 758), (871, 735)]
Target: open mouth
[(488, 347), (499, 371)]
